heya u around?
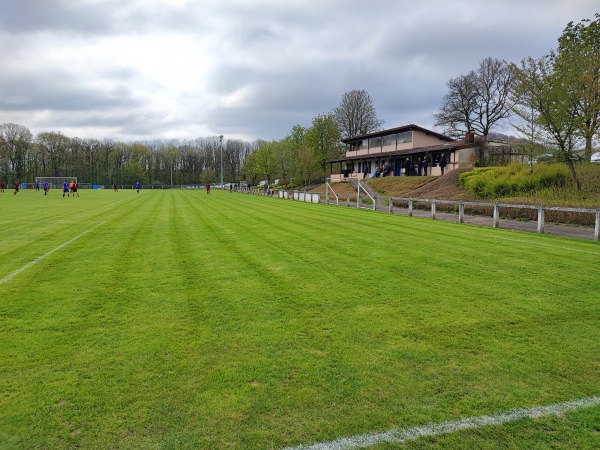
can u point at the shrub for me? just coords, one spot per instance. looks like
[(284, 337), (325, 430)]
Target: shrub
[(514, 179)]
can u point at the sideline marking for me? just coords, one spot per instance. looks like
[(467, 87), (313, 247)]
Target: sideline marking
[(400, 435), (39, 258)]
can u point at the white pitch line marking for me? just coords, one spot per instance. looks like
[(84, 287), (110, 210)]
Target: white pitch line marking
[(400, 435), (38, 259)]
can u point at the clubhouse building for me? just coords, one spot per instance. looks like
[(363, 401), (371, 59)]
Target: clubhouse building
[(390, 152)]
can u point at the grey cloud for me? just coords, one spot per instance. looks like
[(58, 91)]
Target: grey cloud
[(109, 16), (62, 90), (29, 16)]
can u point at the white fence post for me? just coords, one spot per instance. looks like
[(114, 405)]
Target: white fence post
[(410, 207), (461, 212), (540, 227), (433, 209), (597, 227), (496, 221)]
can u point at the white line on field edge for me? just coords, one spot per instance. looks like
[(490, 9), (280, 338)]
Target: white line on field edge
[(400, 435), (38, 259)]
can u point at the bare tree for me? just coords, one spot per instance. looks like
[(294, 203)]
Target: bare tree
[(356, 114), (477, 101), (456, 112)]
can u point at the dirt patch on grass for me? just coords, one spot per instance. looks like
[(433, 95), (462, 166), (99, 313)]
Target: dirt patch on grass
[(441, 188), (445, 187)]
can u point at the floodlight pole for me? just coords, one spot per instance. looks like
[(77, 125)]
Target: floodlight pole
[(221, 145)]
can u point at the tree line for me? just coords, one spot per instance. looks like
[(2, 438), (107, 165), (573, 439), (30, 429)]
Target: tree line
[(165, 162)]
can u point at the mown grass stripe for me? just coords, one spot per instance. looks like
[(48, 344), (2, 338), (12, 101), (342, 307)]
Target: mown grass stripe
[(401, 435), (40, 258)]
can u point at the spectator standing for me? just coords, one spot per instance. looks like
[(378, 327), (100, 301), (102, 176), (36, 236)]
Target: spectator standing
[(425, 165), (443, 163), (407, 167)]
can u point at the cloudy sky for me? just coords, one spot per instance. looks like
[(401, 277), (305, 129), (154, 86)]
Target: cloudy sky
[(145, 69)]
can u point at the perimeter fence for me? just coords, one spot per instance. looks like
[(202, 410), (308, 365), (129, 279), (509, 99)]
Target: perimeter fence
[(532, 218)]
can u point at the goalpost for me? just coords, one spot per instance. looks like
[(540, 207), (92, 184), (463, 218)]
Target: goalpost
[(55, 182)]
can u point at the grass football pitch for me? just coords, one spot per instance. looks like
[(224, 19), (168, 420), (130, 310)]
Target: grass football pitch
[(177, 319)]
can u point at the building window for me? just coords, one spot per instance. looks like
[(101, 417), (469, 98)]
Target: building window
[(360, 145), (389, 140), (404, 138), (375, 142)]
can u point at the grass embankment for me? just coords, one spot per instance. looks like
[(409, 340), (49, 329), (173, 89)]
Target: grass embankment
[(568, 195), (547, 184), (178, 319)]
